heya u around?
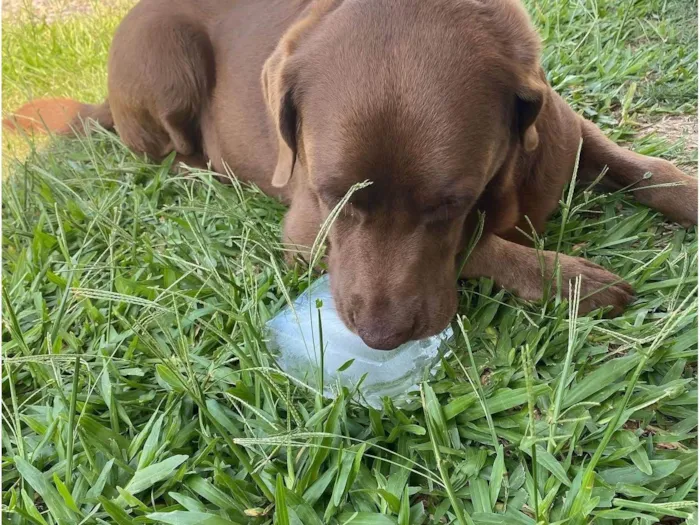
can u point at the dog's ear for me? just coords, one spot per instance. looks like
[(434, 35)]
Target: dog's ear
[(278, 89), (529, 100), (278, 82)]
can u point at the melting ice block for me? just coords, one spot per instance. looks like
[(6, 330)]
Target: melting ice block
[(293, 336)]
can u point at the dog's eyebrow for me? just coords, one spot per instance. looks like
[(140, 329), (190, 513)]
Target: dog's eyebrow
[(331, 193), (334, 192), (448, 199)]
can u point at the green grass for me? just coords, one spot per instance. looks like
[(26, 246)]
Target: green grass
[(61, 59), (136, 383)]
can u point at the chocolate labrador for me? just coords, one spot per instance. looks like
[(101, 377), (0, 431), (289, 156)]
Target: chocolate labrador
[(441, 104)]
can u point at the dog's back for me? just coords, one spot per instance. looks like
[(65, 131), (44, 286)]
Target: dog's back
[(184, 76)]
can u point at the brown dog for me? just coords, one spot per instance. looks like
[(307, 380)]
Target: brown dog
[(442, 104)]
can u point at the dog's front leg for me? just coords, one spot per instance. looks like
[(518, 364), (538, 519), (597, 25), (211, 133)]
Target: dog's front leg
[(654, 182), (301, 225), (527, 273)]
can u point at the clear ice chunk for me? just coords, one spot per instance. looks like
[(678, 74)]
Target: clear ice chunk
[(293, 336)]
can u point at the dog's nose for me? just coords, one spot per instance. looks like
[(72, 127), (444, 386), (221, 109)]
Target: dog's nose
[(382, 321), (382, 327), (384, 339)]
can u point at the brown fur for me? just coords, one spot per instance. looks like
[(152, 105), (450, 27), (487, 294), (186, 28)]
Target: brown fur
[(442, 104)]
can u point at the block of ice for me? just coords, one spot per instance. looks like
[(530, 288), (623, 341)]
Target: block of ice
[(293, 336)]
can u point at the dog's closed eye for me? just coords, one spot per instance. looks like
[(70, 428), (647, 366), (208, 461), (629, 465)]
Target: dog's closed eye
[(331, 200), (446, 209)]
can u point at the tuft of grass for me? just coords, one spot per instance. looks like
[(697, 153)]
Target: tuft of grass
[(138, 388)]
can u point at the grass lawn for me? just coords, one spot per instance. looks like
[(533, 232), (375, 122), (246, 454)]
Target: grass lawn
[(136, 383)]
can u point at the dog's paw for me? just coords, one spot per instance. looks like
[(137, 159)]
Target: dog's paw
[(599, 287)]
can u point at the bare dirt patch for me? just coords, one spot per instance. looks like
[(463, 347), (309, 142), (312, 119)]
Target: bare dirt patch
[(676, 127), (673, 129)]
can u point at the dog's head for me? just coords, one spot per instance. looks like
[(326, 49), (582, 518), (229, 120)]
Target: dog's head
[(428, 100)]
